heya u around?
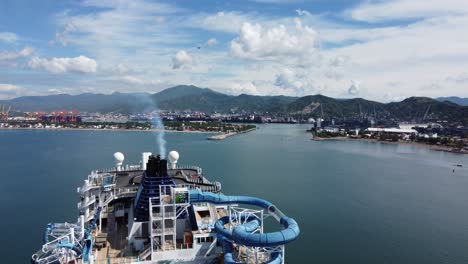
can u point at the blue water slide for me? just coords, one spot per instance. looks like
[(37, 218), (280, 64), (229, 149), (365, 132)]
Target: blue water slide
[(87, 248), (226, 240), (47, 232), (242, 234), (88, 245), (67, 244)]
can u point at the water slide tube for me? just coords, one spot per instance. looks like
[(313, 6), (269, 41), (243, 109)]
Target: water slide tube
[(47, 232), (67, 244), (63, 243), (226, 238), (88, 245), (242, 234)]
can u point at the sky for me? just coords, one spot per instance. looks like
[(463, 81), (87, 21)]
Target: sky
[(376, 49)]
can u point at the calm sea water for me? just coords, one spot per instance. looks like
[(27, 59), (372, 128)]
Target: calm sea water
[(356, 202)]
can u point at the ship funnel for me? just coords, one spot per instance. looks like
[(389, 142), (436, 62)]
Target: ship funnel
[(173, 157), (156, 167)]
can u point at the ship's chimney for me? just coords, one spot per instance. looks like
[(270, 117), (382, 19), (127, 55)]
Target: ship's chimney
[(156, 166)]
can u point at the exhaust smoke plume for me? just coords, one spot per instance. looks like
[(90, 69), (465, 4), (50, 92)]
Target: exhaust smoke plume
[(149, 106)]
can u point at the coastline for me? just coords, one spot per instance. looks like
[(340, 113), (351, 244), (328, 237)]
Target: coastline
[(224, 136), (417, 144), (117, 129)]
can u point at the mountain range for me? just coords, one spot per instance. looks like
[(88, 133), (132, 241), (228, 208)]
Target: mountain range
[(186, 97), (455, 99)]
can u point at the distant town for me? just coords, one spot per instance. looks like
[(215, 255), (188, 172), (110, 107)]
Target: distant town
[(175, 122), (440, 135)]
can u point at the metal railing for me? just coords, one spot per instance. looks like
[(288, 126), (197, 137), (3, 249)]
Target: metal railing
[(145, 253), (86, 202), (211, 188), (126, 190)]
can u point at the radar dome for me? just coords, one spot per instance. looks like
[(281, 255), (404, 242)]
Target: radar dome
[(173, 156), (119, 157)]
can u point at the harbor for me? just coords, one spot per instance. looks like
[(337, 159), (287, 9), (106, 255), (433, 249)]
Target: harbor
[(364, 195)]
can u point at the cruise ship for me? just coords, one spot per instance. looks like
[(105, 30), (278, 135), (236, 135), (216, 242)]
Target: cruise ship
[(161, 212)]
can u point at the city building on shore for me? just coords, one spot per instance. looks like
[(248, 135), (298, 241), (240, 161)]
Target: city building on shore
[(392, 130)]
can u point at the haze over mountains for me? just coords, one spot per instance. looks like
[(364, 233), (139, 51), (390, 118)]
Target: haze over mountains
[(193, 98), (455, 99)]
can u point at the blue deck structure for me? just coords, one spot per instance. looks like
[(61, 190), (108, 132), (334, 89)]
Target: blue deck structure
[(154, 176)]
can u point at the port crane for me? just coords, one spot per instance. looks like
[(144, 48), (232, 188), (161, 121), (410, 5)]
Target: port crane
[(4, 113)]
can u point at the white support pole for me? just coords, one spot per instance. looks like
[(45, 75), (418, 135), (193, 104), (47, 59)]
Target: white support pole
[(283, 248), (262, 218), (82, 226), (101, 204), (72, 235)]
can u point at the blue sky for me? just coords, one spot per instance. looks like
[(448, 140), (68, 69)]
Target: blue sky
[(381, 50)]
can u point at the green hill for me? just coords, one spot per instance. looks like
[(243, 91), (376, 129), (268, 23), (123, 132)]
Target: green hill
[(192, 98)]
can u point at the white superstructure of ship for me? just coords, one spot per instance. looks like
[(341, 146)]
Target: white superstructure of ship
[(156, 212)]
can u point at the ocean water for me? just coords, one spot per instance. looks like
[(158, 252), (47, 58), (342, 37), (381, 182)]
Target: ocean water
[(355, 202)]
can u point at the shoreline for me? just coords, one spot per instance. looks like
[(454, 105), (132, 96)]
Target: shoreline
[(117, 129), (224, 136), (411, 143)]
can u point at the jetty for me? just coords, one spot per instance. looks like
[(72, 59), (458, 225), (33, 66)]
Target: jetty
[(230, 134)]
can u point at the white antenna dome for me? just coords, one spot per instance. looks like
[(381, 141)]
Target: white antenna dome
[(119, 158), (173, 156)]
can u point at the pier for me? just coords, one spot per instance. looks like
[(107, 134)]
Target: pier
[(226, 135)]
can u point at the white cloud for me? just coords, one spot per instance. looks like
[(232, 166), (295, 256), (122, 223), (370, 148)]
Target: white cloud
[(211, 42), (301, 12), (301, 53), (222, 21), (275, 1), (80, 64), (376, 11), (8, 37), (256, 42), (8, 88), (461, 78), (9, 56), (243, 88), (132, 80), (8, 91), (136, 80), (354, 89), (415, 56), (135, 5), (181, 59), (123, 69), (291, 79), (160, 19)]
